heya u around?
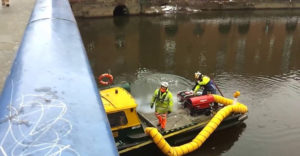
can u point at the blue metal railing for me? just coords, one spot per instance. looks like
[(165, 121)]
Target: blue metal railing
[(50, 103)]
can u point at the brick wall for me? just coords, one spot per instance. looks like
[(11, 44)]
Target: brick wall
[(96, 8)]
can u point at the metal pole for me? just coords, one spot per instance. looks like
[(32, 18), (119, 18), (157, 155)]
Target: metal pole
[(217, 87)]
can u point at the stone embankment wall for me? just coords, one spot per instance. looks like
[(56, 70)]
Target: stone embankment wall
[(98, 8)]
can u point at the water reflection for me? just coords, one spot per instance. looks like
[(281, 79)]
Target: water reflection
[(291, 24), (269, 26), (220, 142), (243, 26), (121, 21), (257, 53), (225, 26), (262, 46), (199, 29), (170, 49), (240, 54), (120, 41), (171, 30), (287, 52)]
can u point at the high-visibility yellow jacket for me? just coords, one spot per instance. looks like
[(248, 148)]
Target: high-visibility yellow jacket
[(206, 83), (163, 101)]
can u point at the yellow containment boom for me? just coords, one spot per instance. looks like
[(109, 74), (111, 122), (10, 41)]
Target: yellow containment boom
[(231, 106)]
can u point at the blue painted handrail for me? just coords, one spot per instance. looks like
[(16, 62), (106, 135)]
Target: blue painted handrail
[(50, 104)]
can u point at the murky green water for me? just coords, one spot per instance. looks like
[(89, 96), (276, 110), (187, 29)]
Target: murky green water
[(257, 53)]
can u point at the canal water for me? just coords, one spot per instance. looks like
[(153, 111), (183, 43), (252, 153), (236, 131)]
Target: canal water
[(255, 52)]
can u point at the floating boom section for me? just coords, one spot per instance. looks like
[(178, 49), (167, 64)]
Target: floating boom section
[(50, 104), (231, 106)]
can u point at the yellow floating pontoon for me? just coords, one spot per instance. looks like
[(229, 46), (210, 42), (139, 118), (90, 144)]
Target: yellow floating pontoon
[(131, 129), (231, 106)]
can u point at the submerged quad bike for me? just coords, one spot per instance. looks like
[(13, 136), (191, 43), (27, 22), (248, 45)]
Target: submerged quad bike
[(197, 104)]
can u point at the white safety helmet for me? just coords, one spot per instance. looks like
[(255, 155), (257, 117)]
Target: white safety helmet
[(198, 75), (165, 84)]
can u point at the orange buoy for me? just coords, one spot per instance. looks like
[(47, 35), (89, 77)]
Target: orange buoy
[(107, 76)]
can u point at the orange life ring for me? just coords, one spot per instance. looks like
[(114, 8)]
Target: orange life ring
[(107, 76)]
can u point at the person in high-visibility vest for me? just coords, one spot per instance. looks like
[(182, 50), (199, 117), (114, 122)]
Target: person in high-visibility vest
[(163, 102), (205, 82), (208, 85)]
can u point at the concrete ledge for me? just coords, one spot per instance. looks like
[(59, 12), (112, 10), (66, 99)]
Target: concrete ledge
[(277, 5)]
